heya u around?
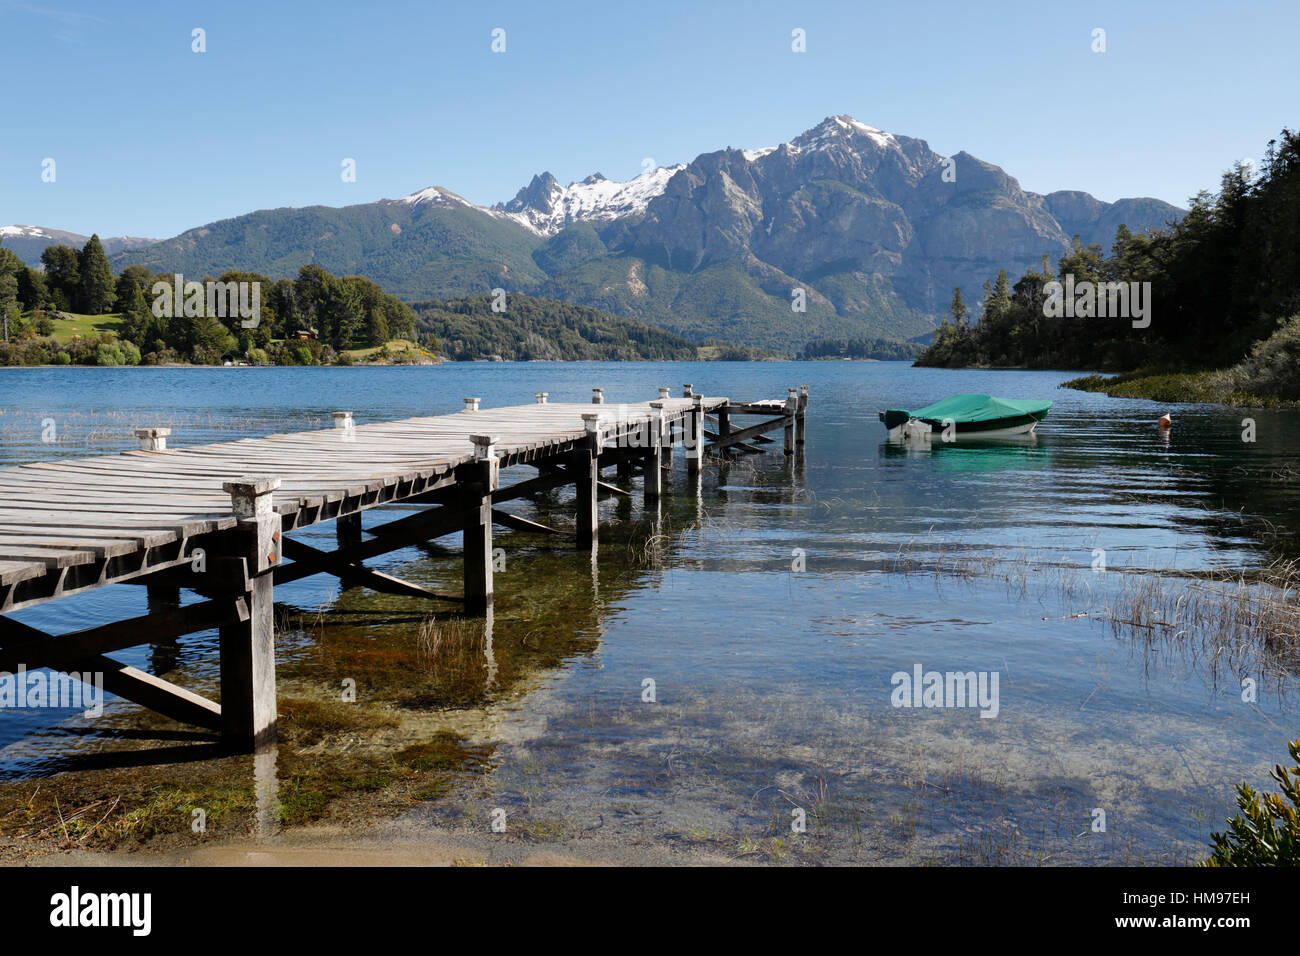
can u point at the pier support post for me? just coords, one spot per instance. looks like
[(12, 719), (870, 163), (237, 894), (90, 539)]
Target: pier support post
[(347, 530), (586, 472), (724, 429), (791, 407), (802, 414), (693, 440), (652, 485), (477, 536), (160, 597), (248, 712)]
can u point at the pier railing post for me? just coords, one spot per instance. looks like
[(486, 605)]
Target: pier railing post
[(248, 711), (477, 536), (586, 472), (153, 439)]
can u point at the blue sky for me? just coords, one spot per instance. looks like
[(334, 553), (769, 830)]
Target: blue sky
[(151, 138)]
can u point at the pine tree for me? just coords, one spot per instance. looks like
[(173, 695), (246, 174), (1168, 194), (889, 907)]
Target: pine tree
[(96, 279), (958, 308), (62, 276)]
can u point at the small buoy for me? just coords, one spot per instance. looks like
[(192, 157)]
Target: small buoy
[(1165, 421)]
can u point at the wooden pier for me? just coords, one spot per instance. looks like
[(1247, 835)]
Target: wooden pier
[(216, 519)]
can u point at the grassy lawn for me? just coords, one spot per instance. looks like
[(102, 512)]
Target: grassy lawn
[(85, 325), (394, 350)]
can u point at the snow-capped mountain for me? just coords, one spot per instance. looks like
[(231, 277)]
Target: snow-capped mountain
[(28, 242), (545, 207)]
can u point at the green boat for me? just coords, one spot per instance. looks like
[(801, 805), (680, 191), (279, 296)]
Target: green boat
[(969, 416)]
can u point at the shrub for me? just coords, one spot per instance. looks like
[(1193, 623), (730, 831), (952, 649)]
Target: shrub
[(1266, 831), (1273, 366)]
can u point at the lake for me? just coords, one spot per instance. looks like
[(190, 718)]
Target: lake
[(768, 621)]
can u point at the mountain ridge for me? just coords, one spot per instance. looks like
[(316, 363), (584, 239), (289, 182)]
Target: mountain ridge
[(870, 230)]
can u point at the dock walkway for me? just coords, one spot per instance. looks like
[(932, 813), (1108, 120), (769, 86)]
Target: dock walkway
[(215, 519)]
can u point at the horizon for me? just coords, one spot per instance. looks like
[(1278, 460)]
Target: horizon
[(154, 159)]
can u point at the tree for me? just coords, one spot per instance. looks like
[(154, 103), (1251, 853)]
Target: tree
[(96, 279), (958, 308), (339, 313), (33, 293), (62, 276), (136, 315), (10, 268)]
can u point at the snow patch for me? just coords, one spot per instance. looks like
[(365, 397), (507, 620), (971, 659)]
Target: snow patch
[(25, 232), (595, 199)]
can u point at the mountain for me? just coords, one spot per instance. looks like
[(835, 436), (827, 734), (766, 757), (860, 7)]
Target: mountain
[(872, 230), (432, 242), (28, 242)]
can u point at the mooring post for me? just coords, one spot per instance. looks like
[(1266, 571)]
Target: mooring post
[(153, 439), (541, 397), (477, 536), (586, 476), (803, 412), (652, 485), (693, 441), (344, 423), (471, 404), (248, 713), (688, 390), (597, 396), (663, 392), (791, 407)]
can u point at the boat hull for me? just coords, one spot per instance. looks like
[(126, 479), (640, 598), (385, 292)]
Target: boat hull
[(965, 431)]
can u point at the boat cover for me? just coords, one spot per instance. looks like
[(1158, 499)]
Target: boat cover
[(977, 408)]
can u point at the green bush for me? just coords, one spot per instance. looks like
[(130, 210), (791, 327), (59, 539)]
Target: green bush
[(1266, 831), (1273, 366)]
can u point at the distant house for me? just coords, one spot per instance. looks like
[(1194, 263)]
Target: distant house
[(308, 334)]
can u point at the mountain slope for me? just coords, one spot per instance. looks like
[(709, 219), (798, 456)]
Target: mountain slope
[(870, 230), (430, 242), (28, 242)]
